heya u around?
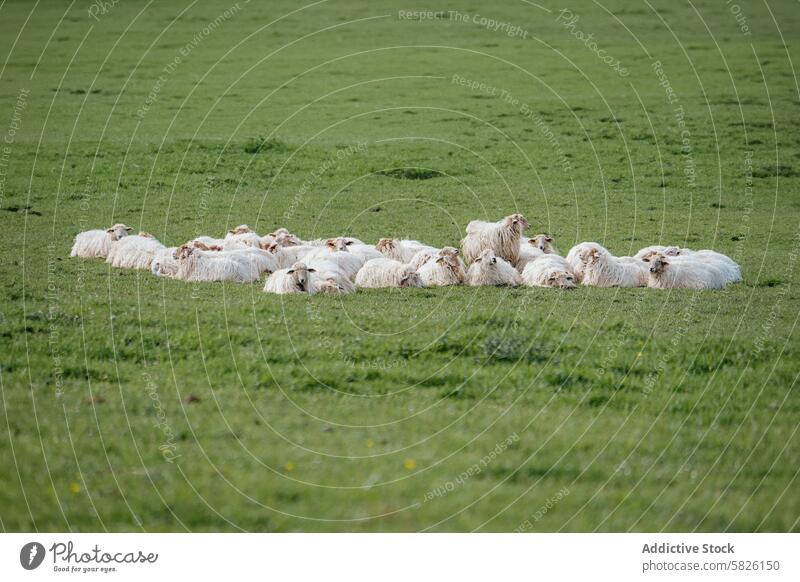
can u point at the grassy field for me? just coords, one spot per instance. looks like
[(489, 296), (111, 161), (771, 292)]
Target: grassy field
[(132, 403)]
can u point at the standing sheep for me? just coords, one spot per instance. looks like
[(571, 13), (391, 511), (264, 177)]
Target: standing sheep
[(502, 237), (489, 269), (92, 244), (378, 273)]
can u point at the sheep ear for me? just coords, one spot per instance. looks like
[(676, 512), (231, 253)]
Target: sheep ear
[(548, 238), (110, 230), (231, 231), (440, 260), (290, 271), (348, 243), (646, 259), (129, 228), (311, 270)]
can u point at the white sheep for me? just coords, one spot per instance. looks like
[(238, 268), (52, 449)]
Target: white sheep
[(296, 279), (421, 258), (444, 268), (544, 242), (502, 237), (243, 235), (730, 269), (528, 251), (336, 250), (489, 269), (289, 255), (164, 263), (134, 252), (549, 271), (654, 249), (96, 243), (403, 250), (599, 268), (198, 265), (378, 273), (328, 276), (683, 272)]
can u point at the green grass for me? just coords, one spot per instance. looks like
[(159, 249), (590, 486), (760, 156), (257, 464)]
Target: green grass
[(652, 410)]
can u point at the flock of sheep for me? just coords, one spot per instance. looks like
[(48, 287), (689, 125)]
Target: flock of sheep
[(497, 254)]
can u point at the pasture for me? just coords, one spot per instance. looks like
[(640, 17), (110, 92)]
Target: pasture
[(134, 403)]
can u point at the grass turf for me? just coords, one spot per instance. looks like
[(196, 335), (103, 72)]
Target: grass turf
[(133, 403)]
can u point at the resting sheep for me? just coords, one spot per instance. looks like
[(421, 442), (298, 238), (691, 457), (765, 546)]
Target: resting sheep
[(502, 237), (402, 250), (489, 269), (528, 251), (96, 243), (683, 272), (599, 268), (378, 273), (444, 268), (198, 265), (134, 252), (548, 271), (544, 242), (296, 279)]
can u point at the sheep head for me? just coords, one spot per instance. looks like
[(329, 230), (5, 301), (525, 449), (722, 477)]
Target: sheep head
[(271, 247), (591, 255), (300, 275), (330, 286), (386, 245), (118, 231), (338, 244), (487, 258), (144, 234), (410, 279), (518, 223), (543, 242), (241, 229), (561, 280), (287, 239), (672, 251), (183, 252), (658, 262)]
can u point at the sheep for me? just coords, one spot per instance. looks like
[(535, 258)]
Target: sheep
[(336, 250), (573, 258), (164, 263), (198, 265), (327, 275), (296, 279), (322, 242), (134, 252), (683, 272), (502, 237), (729, 268), (402, 250), (543, 242), (421, 258), (205, 243), (257, 260), (96, 243), (549, 271), (378, 273), (287, 256), (600, 268), (528, 251), (444, 268), (489, 269), (652, 250)]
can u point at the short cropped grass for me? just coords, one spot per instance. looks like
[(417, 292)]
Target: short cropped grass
[(132, 403)]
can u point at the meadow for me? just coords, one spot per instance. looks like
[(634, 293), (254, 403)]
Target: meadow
[(133, 403)]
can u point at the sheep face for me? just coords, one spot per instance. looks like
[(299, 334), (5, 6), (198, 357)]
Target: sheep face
[(183, 252), (449, 252), (411, 279), (517, 223), (338, 244), (658, 262), (386, 245), (287, 239), (241, 229), (543, 242), (561, 280), (118, 231), (487, 258), (591, 255), (329, 286), (300, 275), (672, 251)]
